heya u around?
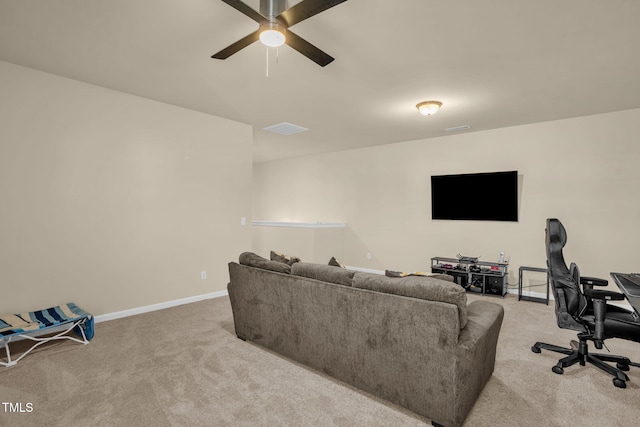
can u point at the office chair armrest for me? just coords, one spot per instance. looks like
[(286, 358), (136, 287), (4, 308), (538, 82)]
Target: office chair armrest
[(593, 281), (598, 294), (600, 299)]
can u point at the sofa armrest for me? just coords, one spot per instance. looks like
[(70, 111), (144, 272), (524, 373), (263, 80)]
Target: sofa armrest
[(483, 316), (476, 352)]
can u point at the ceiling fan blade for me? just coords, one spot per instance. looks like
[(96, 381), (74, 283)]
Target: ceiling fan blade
[(241, 7), (305, 9), (307, 49), (235, 47)]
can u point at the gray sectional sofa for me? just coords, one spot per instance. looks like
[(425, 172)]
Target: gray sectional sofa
[(413, 341)]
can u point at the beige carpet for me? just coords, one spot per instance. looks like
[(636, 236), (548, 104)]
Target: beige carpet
[(184, 367)]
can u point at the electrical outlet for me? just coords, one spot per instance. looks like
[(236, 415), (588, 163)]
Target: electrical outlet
[(368, 255), (243, 221), (203, 275)]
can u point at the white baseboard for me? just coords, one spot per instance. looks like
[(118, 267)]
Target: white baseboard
[(538, 295), (130, 312), (525, 293), (174, 303), (364, 270), (159, 306)]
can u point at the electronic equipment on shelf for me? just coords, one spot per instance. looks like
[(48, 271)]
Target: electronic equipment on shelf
[(487, 278), (462, 258)]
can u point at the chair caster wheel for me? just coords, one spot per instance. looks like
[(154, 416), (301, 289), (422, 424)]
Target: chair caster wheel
[(558, 370), (536, 349), (622, 366), (619, 383)]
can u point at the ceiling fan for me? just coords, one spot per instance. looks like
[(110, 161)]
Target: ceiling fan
[(275, 19)]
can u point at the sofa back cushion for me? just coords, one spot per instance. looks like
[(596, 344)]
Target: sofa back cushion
[(255, 260), (427, 288), (325, 273)]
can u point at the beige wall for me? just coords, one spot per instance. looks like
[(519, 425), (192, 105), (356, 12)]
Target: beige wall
[(114, 201), (308, 243), (583, 170)]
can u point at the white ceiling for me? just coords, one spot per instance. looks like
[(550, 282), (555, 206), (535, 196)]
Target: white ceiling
[(492, 63)]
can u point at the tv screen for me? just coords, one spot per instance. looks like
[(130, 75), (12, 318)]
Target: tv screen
[(476, 196)]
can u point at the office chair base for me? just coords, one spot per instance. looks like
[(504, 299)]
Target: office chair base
[(582, 356)]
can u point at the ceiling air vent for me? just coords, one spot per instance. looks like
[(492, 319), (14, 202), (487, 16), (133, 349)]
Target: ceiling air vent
[(285, 128), (458, 128)]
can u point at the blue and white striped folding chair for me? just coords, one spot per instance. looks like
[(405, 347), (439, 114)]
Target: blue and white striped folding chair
[(65, 318)]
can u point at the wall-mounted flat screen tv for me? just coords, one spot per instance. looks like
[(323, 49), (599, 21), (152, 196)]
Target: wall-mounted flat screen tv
[(489, 196)]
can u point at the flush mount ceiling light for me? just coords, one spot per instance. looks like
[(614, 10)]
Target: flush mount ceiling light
[(428, 108), (272, 35)]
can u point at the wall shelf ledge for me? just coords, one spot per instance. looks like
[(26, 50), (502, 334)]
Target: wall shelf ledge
[(298, 224)]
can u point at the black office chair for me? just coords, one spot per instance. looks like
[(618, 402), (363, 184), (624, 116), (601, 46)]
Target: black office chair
[(585, 310)]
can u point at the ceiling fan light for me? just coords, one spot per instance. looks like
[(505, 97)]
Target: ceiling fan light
[(272, 38), (428, 108)]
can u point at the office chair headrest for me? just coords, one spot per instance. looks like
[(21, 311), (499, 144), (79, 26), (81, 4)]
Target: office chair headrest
[(557, 231)]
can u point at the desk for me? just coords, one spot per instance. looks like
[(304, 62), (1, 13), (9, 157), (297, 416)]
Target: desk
[(629, 284), (527, 298)]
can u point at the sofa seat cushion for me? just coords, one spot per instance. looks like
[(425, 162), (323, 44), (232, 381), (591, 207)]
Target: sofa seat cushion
[(427, 288), (325, 273), (254, 260)]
